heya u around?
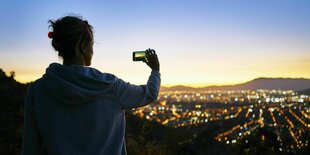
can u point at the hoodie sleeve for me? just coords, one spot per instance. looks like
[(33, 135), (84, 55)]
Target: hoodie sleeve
[(32, 143), (131, 96)]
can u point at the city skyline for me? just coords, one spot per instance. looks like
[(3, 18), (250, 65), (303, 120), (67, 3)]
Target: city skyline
[(199, 44)]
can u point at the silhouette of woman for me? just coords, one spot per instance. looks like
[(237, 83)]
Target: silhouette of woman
[(78, 110)]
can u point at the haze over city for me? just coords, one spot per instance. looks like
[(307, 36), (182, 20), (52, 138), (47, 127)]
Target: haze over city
[(199, 43)]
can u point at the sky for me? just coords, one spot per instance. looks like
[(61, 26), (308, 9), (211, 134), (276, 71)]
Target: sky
[(199, 43)]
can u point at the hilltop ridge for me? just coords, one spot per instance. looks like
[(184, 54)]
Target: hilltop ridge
[(295, 84)]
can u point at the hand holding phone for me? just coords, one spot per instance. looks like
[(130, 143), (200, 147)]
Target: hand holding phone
[(149, 57)]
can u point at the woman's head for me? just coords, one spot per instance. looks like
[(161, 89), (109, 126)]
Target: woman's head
[(73, 38)]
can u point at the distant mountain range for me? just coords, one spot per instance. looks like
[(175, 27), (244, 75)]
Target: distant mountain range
[(297, 84)]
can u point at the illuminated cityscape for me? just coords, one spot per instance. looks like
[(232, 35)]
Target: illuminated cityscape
[(238, 113)]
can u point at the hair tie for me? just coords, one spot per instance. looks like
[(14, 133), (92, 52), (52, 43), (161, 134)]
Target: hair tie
[(50, 35)]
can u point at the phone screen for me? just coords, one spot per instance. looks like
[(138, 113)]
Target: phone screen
[(138, 55)]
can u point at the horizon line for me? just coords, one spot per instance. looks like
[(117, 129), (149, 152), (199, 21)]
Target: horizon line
[(233, 84), (201, 85), (192, 85)]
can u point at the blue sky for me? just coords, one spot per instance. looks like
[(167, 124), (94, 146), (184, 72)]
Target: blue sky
[(198, 42)]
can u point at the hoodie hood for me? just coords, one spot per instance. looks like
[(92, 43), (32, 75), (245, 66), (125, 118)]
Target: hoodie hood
[(76, 84)]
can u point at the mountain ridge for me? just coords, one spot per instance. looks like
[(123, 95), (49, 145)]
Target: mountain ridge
[(295, 84)]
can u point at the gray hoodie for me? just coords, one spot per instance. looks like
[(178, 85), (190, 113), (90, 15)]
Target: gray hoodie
[(78, 110)]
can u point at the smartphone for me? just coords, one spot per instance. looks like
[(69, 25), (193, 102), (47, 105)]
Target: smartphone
[(138, 56)]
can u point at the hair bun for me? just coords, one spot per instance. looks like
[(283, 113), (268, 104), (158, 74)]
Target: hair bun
[(50, 35)]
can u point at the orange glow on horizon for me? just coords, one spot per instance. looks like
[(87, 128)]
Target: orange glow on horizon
[(32, 77), (200, 72)]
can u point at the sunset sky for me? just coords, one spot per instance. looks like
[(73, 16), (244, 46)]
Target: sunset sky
[(199, 43)]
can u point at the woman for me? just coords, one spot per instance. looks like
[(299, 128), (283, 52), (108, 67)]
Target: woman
[(78, 110)]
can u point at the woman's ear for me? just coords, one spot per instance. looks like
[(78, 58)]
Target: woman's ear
[(83, 48)]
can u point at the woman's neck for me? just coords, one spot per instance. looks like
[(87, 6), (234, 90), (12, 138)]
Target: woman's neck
[(74, 61)]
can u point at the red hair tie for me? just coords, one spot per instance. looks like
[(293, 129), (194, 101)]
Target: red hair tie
[(50, 35)]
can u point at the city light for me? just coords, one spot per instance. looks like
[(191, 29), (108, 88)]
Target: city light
[(279, 109)]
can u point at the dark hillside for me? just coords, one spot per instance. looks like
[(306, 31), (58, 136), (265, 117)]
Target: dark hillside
[(12, 96)]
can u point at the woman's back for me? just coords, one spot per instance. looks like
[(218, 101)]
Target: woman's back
[(79, 110)]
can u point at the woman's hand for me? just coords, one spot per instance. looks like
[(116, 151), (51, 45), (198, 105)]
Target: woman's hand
[(152, 59)]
